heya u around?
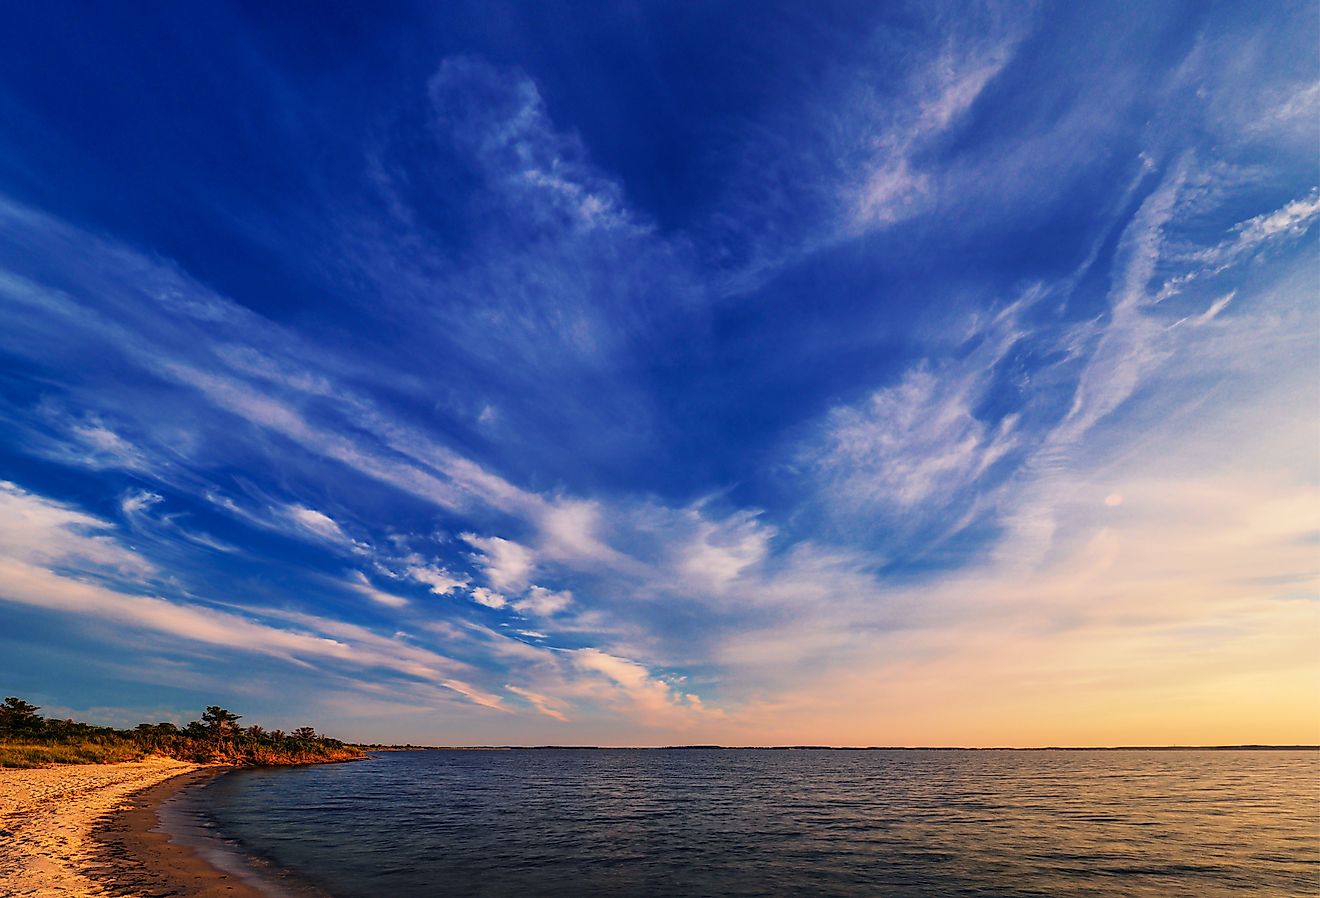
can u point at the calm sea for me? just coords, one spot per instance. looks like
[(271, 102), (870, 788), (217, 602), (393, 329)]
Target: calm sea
[(678, 823)]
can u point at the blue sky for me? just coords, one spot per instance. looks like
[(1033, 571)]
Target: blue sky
[(649, 373)]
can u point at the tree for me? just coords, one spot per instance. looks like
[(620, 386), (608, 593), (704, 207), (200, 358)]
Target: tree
[(18, 716), (305, 733), (219, 722)]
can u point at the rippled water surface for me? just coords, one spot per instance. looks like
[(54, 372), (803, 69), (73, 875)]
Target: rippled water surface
[(793, 823)]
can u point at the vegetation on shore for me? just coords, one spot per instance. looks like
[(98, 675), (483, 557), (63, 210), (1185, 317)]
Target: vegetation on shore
[(29, 740)]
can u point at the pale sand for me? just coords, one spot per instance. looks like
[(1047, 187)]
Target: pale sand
[(47, 816)]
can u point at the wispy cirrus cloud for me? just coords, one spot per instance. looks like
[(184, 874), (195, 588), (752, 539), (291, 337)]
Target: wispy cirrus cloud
[(58, 558), (893, 183), (857, 420), (321, 525), (358, 582), (540, 702)]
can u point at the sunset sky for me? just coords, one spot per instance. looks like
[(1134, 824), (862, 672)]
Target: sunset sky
[(651, 373)]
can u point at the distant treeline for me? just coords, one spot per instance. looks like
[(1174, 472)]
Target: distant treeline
[(27, 739)]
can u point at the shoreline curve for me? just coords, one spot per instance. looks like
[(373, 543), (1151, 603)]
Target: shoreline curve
[(123, 829), (136, 854)]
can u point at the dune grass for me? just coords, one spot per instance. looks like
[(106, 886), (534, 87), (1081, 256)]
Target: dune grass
[(23, 753)]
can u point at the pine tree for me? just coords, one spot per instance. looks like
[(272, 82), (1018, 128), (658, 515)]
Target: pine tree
[(18, 716), (219, 722)]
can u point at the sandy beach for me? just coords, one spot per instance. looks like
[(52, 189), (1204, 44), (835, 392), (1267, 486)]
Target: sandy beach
[(86, 829)]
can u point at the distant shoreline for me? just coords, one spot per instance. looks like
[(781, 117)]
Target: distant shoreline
[(374, 748)]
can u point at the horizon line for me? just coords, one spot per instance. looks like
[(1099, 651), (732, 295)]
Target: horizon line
[(806, 747)]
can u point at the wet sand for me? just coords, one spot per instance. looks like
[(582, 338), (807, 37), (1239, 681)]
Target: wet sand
[(132, 857), (87, 829)]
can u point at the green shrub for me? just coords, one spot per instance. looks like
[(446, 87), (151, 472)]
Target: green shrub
[(29, 740)]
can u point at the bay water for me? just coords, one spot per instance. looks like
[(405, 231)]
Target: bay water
[(707, 822)]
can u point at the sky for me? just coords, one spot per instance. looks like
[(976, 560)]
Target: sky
[(664, 373)]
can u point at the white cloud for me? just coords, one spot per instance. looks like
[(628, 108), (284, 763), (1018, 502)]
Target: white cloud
[(1133, 343), (507, 564), (363, 586), (441, 581), (318, 523), (86, 441), (509, 134), (542, 602), (241, 399), (542, 703), (1215, 308), (627, 687), (1179, 567), (163, 530), (1249, 238), (483, 596), (1292, 115), (1292, 220), (913, 443), (108, 449), (634, 681), (43, 533), (322, 526), (909, 450), (718, 552), (568, 530), (62, 560), (137, 502), (477, 696), (891, 186)]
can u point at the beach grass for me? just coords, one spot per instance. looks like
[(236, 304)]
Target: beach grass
[(24, 753)]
